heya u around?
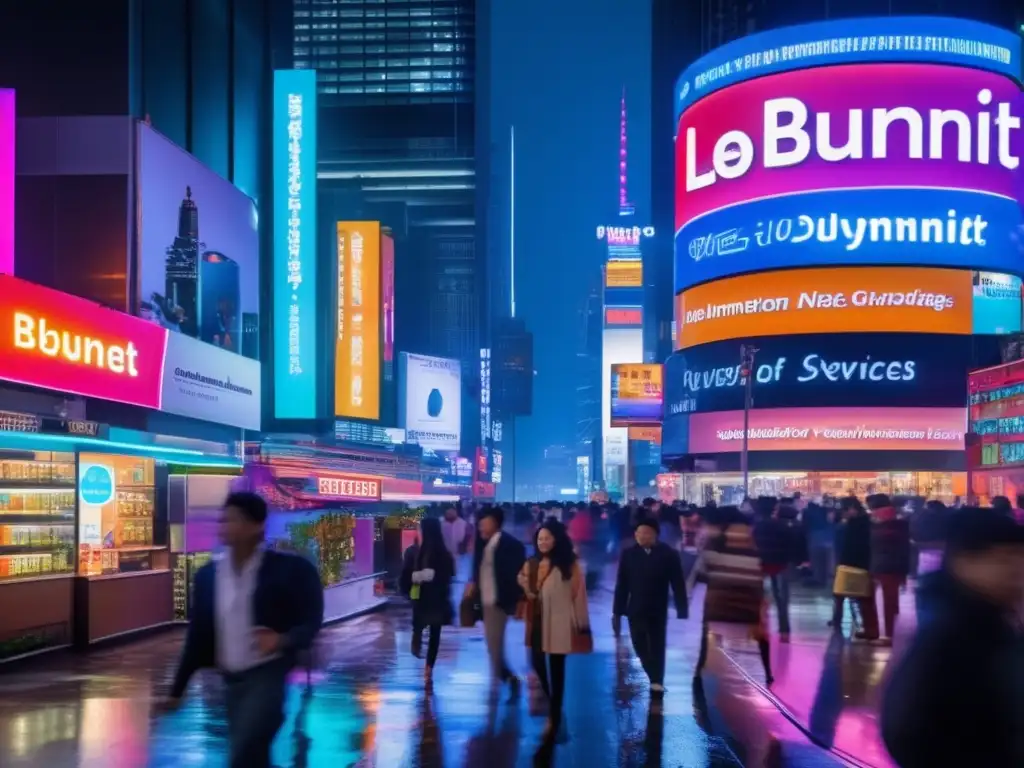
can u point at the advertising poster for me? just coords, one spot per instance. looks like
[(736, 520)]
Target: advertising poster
[(637, 394), (431, 402), (56, 341), (7, 123), (848, 369), (831, 429), (833, 300), (357, 356), (116, 509), (199, 269), (997, 303), (295, 244)]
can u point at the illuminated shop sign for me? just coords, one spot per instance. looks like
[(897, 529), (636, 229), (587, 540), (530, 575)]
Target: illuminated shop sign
[(294, 257), (624, 235), (349, 487), (922, 39), (623, 317), (847, 369), (830, 429), (809, 169), (849, 300)]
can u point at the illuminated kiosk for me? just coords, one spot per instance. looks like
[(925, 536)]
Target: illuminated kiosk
[(861, 240), (622, 336)]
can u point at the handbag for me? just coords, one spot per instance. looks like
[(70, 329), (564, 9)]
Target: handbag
[(470, 611), (582, 639), (852, 582)]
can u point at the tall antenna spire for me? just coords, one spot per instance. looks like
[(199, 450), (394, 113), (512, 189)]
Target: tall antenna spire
[(625, 207)]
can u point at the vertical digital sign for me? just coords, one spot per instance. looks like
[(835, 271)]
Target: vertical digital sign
[(6, 182), (357, 360), (387, 288), (294, 273)]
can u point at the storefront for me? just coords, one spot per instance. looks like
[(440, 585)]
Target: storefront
[(84, 534)]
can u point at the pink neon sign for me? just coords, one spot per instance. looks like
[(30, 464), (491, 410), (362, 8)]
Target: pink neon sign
[(6, 182)]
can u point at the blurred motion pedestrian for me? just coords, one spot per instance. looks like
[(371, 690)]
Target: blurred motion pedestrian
[(254, 611), (775, 534), (731, 566), (956, 698), (646, 573), (497, 559), (890, 559), (853, 574), (427, 574), (556, 613)]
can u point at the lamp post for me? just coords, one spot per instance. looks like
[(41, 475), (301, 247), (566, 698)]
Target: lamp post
[(747, 352)]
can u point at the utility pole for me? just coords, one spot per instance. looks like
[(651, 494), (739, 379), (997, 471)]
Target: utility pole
[(747, 353)]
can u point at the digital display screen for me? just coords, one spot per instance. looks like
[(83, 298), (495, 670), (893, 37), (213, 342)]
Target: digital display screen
[(849, 300), (624, 273), (358, 340), (827, 370), (637, 394)]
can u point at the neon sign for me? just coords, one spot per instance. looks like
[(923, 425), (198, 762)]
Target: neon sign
[(624, 235)]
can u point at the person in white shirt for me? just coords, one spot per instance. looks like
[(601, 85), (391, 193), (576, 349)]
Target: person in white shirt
[(497, 560), (254, 612), (456, 533)]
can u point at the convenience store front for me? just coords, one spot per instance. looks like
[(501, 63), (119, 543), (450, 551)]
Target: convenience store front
[(85, 545)]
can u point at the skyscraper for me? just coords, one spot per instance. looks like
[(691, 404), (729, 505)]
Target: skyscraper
[(181, 270)]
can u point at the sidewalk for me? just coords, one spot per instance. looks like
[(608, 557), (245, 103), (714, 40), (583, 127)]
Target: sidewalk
[(827, 685)]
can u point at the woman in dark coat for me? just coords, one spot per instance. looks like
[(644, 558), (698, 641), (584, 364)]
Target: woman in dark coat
[(854, 551), (427, 574)]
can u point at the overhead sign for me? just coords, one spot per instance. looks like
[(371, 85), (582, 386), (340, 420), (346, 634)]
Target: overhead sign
[(56, 341), (637, 394), (295, 249), (357, 349), (835, 300), (895, 369), (830, 429), (624, 273), (349, 487), (806, 168), (431, 402)]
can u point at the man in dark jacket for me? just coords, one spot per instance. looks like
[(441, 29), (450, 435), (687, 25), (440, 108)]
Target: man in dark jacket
[(646, 571), (497, 560), (776, 537), (254, 611), (890, 557), (956, 696)]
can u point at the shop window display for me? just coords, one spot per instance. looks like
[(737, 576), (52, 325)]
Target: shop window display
[(37, 513)]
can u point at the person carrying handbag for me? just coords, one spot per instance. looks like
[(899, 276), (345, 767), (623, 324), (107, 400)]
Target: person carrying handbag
[(853, 577), (556, 613)]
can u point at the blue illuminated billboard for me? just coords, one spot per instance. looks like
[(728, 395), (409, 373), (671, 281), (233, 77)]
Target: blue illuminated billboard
[(295, 273)]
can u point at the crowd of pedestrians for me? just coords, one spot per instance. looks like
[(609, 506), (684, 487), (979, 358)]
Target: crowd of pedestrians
[(257, 612)]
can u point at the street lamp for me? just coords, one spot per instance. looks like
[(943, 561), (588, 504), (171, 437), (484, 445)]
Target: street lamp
[(747, 352)]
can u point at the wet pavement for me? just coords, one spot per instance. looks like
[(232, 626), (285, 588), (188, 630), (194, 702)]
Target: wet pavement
[(829, 685), (368, 707)]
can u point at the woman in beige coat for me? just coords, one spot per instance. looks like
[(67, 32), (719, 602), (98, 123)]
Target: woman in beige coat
[(557, 617)]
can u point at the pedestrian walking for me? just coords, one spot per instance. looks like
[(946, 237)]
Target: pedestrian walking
[(890, 559), (956, 696), (254, 611), (853, 576), (497, 559), (777, 547), (735, 594), (556, 613), (646, 572), (427, 574)]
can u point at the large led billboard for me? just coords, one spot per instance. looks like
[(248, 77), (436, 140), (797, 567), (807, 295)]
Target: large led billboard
[(854, 369), (357, 348), (430, 406), (830, 429), (849, 300), (805, 167), (623, 273), (294, 259), (637, 394), (61, 342), (7, 123), (199, 266)]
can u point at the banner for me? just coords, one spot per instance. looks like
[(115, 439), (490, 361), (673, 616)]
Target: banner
[(831, 429), (55, 341), (357, 356), (431, 403), (834, 300), (295, 244), (637, 394)]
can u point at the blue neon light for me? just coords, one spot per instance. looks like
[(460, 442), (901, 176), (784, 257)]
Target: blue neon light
[(924, 39), (295, 224)]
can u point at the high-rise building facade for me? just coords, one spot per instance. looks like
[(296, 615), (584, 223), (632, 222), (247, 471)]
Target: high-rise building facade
[(395, 82)]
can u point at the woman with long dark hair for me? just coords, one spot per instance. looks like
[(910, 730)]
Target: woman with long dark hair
[(427, 574), (557, 617)]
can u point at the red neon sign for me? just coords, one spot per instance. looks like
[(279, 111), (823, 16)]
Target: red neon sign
[(349, 487)]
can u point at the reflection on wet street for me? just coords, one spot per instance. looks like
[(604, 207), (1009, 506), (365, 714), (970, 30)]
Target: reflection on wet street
[(367, 707)]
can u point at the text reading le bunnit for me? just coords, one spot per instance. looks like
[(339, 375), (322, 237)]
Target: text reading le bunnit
[(34, 334), (788, 141), (821, 300)]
